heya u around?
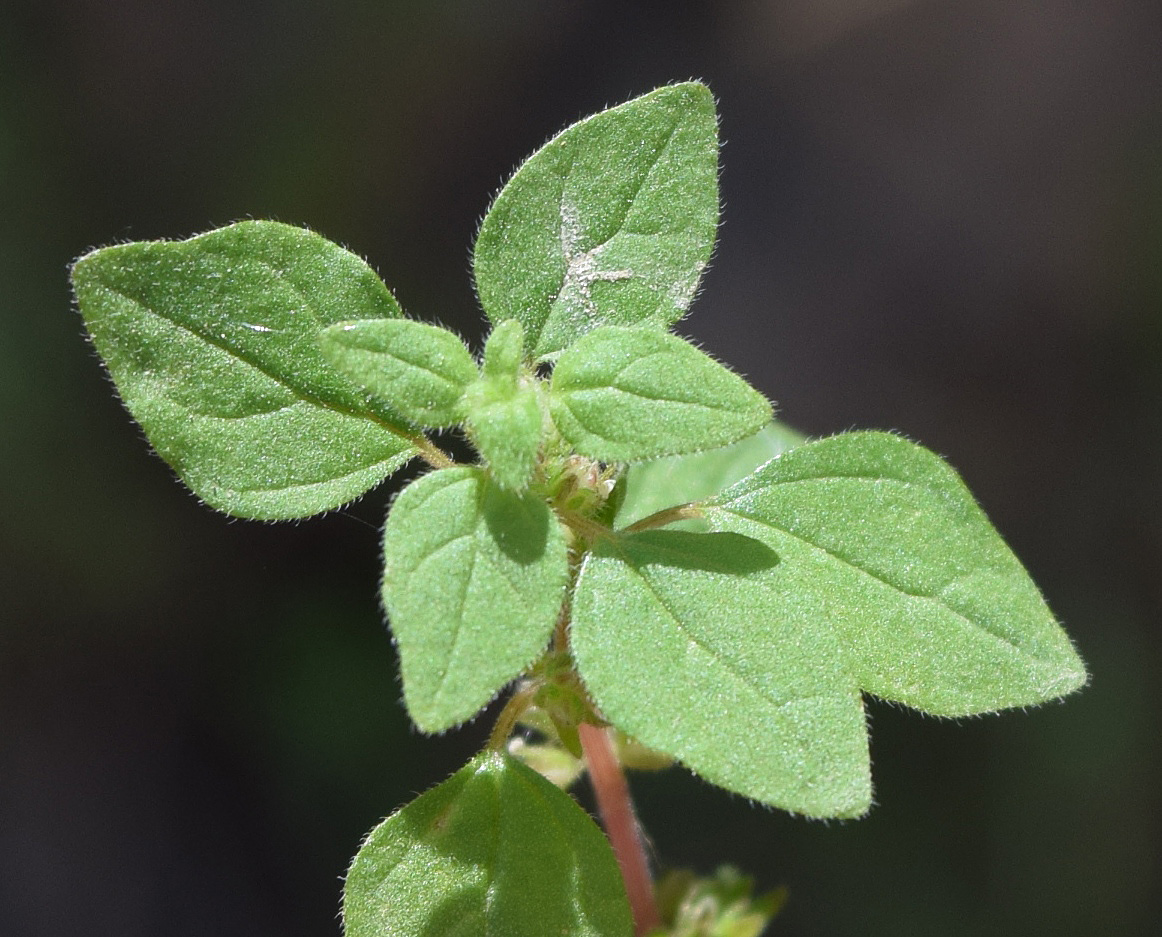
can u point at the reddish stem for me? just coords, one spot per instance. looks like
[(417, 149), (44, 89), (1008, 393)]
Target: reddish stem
[(621, 826)]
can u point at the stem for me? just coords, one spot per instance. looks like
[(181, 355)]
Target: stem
[(617, 816), (584, 526), (683, 512), (513, 710), (430, 452)]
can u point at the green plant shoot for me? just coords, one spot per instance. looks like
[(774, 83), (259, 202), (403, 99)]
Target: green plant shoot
[(660, 572)]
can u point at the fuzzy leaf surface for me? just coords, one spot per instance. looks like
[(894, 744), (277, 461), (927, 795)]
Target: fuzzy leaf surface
[(504, 410), (213, 345), (473, 580), (494, 851), (633, 394), (611, 222), (506, 429), (419, 371), (664, 483), (883, 577)]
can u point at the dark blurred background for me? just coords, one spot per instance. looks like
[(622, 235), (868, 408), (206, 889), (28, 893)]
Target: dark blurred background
[(943, 218)]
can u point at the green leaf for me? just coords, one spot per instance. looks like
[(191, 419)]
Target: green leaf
[(881, 575), (418, 370), (213, 345), (494, 850), (504, 410), (503, 353), (474, 577), (680, 479), (633, 394), (611, 222)]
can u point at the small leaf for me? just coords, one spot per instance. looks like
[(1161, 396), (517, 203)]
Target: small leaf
[(504, 410), (504, 352), (611, 222), (473, 580), (494, 850), (507, 432), (418, 370), (882, 575), (213, 345), (664, 483), (633, 394)]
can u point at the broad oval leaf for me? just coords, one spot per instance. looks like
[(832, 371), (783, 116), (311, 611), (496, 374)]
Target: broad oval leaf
[(673, 638), (213, 345), (494, 850), (611, 222), (419, 371), (474, 577), (634, 394), (934, 608), (885, 577)]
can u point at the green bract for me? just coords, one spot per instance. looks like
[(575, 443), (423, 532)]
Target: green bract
[(634, 394), (472, 583), (494, 850), (610, 223), (213, 345)]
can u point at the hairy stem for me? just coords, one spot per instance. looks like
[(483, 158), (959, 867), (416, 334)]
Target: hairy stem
[(513, 710), (683, 512), (431, 453), (617, 816)]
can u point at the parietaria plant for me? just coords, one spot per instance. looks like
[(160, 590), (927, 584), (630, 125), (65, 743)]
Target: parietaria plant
[(660, 572)]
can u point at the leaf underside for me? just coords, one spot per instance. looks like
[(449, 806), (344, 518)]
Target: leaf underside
[(494, 850), (213, 345), (880, 574), (474, 578), (667, 482), (610, 223)]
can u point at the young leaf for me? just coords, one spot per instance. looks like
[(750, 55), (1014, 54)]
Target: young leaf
[(418, 370), (473, 580), (213, 345), (665, 483), (504, 412), (883, 576), (504, 352), (611, 222), (494, 850), (633, 394)]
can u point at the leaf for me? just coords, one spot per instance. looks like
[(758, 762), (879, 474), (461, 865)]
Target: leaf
[(884, 576), (633, 394), (213, 345), (665, 483), (610, 223), (474, 577), (419, 371), (504, 410), (494, 850)]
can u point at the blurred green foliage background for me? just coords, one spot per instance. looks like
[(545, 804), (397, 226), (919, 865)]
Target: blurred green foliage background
[(943, 218)]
